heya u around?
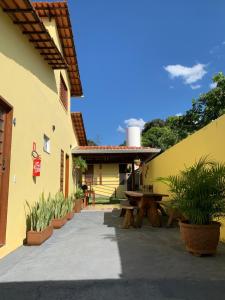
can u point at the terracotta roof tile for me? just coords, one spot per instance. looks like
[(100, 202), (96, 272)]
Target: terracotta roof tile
[(60, 12), (78, 126)]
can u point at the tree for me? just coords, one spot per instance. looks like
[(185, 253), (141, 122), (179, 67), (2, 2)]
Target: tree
[(123, 144), (206, 108), (160, 137), (91, 143), (153, 123)]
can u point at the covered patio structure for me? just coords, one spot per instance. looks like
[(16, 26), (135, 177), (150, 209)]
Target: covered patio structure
[(114, 165)]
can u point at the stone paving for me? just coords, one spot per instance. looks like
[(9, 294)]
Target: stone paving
[(91, 257)]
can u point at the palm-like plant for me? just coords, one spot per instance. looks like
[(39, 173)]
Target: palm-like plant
[(79, 193), (80, 163), (199, 191)]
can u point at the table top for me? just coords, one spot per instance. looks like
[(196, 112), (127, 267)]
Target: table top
[(145, 194)]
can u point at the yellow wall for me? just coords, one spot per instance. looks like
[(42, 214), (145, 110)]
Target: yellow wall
[(110, 180), (207, 141), (31, 87)]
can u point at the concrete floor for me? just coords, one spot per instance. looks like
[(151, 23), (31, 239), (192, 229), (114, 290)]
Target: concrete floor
[(92, 258)]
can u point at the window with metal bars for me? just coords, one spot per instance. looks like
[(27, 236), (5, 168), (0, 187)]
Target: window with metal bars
[(63, 92)]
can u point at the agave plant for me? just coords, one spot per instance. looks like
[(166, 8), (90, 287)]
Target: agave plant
[(39, 214), (199, 191), (58, 206)]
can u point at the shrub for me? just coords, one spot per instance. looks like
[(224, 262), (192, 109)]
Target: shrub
[(199, 191)]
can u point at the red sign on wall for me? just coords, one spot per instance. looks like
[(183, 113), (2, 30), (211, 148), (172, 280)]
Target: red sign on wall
[(36, 167)]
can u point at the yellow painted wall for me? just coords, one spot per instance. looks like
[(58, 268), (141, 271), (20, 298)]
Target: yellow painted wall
[(210, 140), (110, 180), (30, 85)]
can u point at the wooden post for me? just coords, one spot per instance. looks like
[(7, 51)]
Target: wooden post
[(133, 177)]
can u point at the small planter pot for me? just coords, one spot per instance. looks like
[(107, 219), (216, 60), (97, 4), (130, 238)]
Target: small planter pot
[(78, 205), (70, 215), (58, 223), (200, 239), (35, 238)]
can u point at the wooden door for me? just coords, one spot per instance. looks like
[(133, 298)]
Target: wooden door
[(61, 171), (67, 176), (6, 113), (89, 174)]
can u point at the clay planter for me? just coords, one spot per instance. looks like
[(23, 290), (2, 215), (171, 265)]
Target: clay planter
[(70, 215), (35, 238), (58, 223), (78, 205), (200, 239)]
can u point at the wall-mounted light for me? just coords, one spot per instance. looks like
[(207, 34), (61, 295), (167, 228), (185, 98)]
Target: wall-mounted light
[(14, 121)]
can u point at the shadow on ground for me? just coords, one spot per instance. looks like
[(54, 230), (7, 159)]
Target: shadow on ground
[(113, 289), (93, 258)]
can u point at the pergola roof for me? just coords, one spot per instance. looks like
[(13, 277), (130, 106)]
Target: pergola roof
[(114, 154), (60, 12), (24, 15), (79, 129)]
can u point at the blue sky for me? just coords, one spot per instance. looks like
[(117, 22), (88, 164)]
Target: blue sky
[(143, 59)]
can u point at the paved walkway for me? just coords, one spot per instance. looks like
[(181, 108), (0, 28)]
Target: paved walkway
[(92, 258)]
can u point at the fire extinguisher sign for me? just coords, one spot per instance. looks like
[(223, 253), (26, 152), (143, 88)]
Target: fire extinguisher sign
[(36, 162)]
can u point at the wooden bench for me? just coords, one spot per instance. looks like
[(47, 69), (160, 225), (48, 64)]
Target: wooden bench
[(129, 216)]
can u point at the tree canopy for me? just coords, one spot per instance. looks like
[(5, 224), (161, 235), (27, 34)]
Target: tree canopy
[(208, 107)]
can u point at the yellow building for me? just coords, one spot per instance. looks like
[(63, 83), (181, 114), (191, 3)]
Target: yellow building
[(111, 169), (38, 74)]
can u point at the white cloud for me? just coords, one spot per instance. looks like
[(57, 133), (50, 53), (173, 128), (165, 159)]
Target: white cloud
[(188, 74), (135, 122), (121, 129), (213, 85), (195, 86), (178, 114), (171, 87)]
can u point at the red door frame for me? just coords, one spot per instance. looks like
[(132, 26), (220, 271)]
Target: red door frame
[(67, 168), (6, 156)]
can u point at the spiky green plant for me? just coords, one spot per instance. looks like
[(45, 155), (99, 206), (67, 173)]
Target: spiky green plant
[(69, 204), (59, 206), (199, 191), (39, 214)]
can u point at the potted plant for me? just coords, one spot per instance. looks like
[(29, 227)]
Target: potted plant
[(69, 206), (78, 200), (79, 167), (59, 210), (199, 194), (39, 217)]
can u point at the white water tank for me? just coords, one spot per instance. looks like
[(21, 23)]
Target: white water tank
[(134, 136)]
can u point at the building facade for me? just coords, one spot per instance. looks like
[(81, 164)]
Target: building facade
[(38, 75)]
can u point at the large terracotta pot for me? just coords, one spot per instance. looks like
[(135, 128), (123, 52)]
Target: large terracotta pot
[(70, 215), (35, 238), (58, 223), (200, 239), (78, 205)]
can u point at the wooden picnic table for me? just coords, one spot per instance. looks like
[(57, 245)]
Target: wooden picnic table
[(146, 202)]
